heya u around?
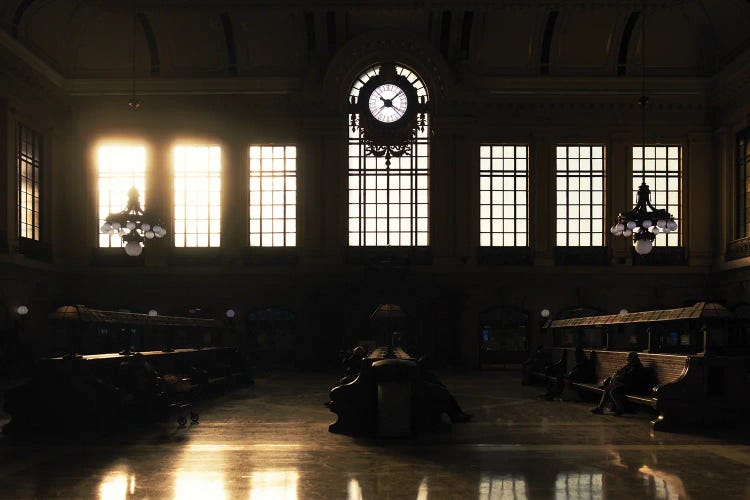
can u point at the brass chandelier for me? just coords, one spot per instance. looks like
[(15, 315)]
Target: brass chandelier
[(133, 225), (644, 221)]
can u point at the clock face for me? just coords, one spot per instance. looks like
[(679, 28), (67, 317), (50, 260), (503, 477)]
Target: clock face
[(388, 103)]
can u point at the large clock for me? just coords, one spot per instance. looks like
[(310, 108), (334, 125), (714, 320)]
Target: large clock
[(388, 113), (388, 107), (388, 103)]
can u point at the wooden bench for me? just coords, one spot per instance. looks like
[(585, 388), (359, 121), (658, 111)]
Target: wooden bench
[(557, 361), (664, 368)]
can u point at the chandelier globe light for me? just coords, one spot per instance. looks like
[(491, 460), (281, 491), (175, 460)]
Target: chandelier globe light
[(133, 225)]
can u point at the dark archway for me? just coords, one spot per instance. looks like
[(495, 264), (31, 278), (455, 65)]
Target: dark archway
[(271, 333), (503, 335)]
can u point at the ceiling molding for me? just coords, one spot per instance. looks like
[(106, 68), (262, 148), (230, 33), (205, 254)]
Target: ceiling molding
[(605, 85), (183, 86), (732, 81), (15, 48)]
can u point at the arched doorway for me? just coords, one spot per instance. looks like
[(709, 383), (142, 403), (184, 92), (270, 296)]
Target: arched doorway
[(503, 335), (271, 333)]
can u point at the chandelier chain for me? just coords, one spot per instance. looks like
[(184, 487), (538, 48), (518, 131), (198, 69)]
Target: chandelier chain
[(644, 99), (135, 15)]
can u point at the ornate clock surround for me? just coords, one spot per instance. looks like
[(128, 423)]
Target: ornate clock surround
[(388, 139)]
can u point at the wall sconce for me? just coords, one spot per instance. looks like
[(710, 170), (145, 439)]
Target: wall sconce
[(22, 310), (230, 313)]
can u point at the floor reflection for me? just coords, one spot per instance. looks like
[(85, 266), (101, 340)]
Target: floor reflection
[(117, 485), (364, 474), (199, 485), (274, 484), (663, 485), (354, 490), (579, 486), (423, 492), (502, 488)]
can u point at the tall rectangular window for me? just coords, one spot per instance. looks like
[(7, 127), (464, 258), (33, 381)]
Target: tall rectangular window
[(120, 167), (273, 196), (197, 196), (661, 168), (29, 163), (503, 195), (389, 204), (743, 184), (580, 196)]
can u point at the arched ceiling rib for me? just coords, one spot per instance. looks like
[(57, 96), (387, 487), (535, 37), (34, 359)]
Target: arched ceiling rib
[(93, 38)]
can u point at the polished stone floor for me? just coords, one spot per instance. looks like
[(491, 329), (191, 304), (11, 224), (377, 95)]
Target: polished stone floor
[(271, 442)]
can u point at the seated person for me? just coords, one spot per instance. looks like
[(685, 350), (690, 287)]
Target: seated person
[(137, 378), (537, 363), (352, 365), (583, 371), (633, 378), (439, 397)]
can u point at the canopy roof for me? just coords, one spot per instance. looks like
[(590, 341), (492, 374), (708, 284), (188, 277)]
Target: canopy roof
[(86, 315), (699, 310), (386, 311)]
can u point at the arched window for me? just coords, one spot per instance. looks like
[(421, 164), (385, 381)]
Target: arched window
[(388, 183)]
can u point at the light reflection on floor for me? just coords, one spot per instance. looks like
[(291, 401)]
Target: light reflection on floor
[(578, 486), (274, 485), (354, 491), (117, 485), (197, 485), (283, 485), (502, 488), (271, 443)]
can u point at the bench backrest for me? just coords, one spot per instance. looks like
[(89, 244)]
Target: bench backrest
[(665, 368)]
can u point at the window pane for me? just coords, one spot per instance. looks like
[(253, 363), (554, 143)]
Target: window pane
[(580, 195), (273, 184), (664, 183), (29, 166), (742, 181), (197, 194), (502, 192), (120, 167)]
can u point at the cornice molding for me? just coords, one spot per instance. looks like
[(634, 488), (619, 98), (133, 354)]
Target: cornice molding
[(435, 4), (183, 86), (605, 85), (732, 81), (379, 46), (15, 48)]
